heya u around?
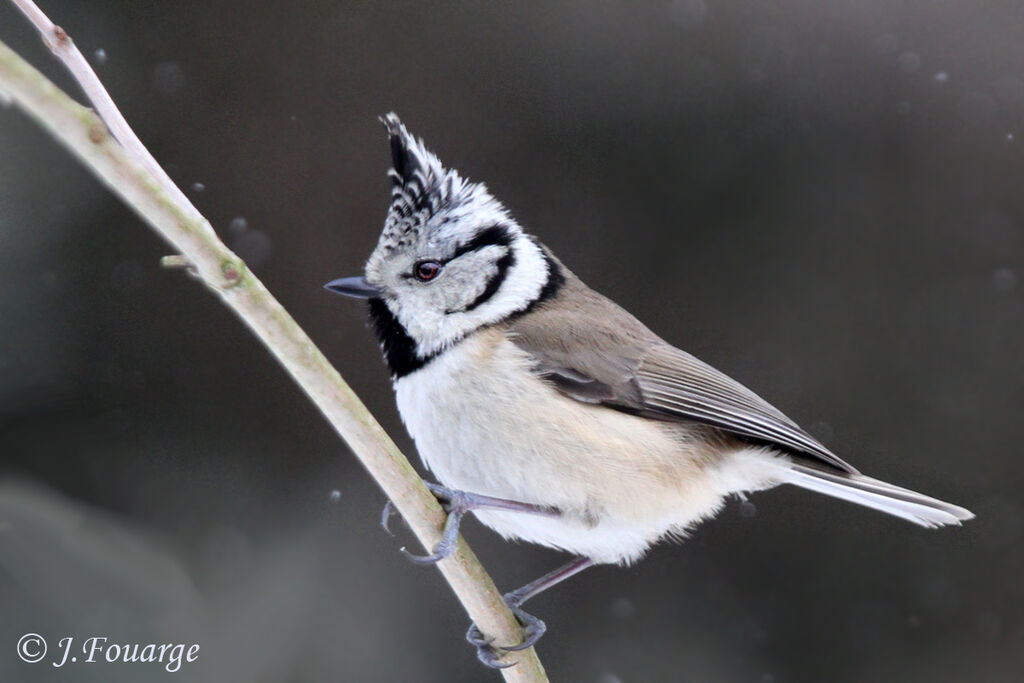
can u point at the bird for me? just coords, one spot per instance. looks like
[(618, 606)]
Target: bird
[(551, 413)]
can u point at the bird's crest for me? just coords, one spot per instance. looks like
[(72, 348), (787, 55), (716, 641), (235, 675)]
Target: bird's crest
[(421, 187)]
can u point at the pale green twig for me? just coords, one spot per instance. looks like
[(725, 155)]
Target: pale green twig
[(60, 43), (86, 136)]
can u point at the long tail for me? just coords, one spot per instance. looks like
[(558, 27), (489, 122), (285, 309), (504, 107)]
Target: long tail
[(856, 488)]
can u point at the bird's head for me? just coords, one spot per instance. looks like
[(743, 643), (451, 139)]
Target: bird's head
[(450, 259)]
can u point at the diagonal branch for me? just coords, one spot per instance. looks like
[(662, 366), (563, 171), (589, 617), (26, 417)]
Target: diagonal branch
[(118, 164), (60, 43)]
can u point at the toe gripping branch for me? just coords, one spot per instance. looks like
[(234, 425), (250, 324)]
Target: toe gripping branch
[(457, 504), (533, 628), (489, 653)]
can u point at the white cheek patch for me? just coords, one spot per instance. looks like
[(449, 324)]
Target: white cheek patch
[(422, 307), (435, 329), (475, 274)]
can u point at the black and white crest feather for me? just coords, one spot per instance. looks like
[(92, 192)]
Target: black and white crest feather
[(421, 187)]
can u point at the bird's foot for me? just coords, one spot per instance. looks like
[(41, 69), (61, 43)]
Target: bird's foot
[(457, 504), (489, 653), (533, 628)]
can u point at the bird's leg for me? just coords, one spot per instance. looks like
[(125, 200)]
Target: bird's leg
[(457, 504), (533, 628)]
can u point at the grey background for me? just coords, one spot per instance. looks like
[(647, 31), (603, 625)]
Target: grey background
[(823, 199)]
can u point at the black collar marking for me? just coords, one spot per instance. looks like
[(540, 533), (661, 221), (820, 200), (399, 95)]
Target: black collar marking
[(556, 278), (398, 347)]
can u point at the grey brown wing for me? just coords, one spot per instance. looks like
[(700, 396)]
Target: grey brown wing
[(674, 383), (613, 360)]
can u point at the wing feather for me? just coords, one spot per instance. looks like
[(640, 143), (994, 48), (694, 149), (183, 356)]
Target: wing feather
[(673, 382), (597, 353)]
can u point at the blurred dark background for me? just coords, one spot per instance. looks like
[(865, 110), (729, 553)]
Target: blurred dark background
[(823, 199)]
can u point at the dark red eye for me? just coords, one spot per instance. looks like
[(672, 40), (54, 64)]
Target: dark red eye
[(427, 270)]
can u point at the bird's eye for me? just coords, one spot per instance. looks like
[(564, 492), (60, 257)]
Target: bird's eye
[(426, 270)]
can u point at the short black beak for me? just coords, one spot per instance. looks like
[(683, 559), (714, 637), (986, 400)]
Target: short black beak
[(355, 287)]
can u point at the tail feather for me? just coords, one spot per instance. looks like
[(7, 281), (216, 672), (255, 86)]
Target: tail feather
[(856, 488)]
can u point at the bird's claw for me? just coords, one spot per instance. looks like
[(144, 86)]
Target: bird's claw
[(490, 654), (385, 515), (441, 551), (533, 630), (457, 504), (486, 652), (441, 493)]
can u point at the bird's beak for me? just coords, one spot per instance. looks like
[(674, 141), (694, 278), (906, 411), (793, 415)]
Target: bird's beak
[(355, 287)]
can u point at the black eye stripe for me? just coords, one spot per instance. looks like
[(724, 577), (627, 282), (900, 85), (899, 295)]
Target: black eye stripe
[(496, 235), (493, 284)]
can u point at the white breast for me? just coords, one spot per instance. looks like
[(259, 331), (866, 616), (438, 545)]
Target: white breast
[(483, 423)]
